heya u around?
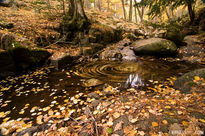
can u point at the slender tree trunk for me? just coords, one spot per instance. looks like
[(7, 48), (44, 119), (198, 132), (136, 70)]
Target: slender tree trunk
[(87, 4), (108, 5), (135, 14), (141, 13), (98, 5), (124, 10), (191, 10), (63, 7), (95, 5), (130, 12)]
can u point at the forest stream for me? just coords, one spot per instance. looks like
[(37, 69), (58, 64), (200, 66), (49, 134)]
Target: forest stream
[(27, 96)]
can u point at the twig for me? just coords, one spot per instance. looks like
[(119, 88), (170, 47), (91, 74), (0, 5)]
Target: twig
[(88, 112)]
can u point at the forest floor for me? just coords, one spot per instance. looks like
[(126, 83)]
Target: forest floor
[(160, 110)]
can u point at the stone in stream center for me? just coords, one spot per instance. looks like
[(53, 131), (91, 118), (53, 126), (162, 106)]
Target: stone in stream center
[(92, 82), (154, 46)]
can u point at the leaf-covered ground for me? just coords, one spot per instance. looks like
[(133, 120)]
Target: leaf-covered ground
[(158, 110)]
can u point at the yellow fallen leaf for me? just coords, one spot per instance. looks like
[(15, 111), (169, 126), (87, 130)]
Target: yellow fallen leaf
[(197, 78), (202, 120), (165, 122), (2, 114), (116, 115), (21, 112), (154, 124), (185, 123), (167, 107)]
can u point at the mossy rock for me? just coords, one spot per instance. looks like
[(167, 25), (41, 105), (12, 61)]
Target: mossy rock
[(185, 82), (103, 34), (28, 58), (154, 46), (7, 65), (6, 40), (174, 34)]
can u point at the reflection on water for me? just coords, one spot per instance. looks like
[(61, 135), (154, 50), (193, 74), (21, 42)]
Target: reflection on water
[(132, 73), (133, 81)]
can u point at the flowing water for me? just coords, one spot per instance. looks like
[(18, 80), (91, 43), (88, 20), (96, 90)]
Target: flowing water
[(48, 87)]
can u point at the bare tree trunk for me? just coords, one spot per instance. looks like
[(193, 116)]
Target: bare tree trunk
[(130, 12), (95, 5), (108, 5), (64, 12), (87, 4), (135, 15), (191, 10), (124, 10), (141, 13), (99, 4), (76, 19)]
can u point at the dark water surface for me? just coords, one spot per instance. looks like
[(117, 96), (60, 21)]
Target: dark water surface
[(48, 87)]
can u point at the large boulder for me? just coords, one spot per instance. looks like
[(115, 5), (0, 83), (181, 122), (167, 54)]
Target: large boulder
[(174, 34), (28, 58), (185, 82), (7, 65), (103, 34), (154, 46)]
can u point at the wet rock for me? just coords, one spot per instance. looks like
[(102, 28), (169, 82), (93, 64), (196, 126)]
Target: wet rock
[(194, 50), (128, 54), (92, 49), (154, 46), (111, 53), (174, 34), (7, 64), (92, 82), (62, 60), (118, 51), (185, 82), (193, 39), (93, 95)]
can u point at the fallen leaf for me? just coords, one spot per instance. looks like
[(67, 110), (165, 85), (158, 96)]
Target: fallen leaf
[(110, 130), (185, 123), (154, 124), (118, 126), (165, 122)]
